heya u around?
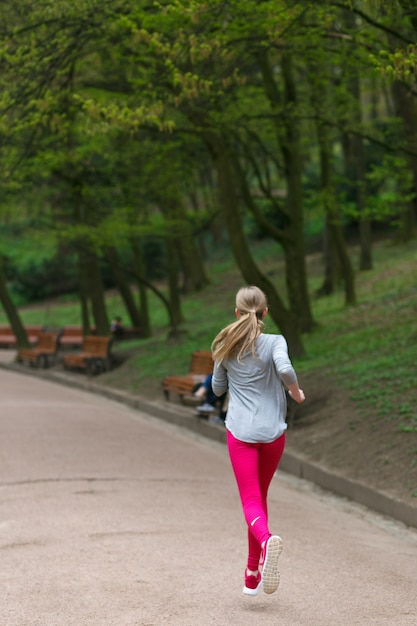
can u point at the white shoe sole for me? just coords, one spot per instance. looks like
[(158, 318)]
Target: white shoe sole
[(251, 592), (270, 571)]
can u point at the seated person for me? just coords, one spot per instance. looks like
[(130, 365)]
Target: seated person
[(116, 327), (205, 392)]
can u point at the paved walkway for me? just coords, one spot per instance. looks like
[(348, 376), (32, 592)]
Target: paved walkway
[(109, 517)]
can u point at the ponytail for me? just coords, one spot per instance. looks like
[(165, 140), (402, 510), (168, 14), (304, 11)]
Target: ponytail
[(239, 337)]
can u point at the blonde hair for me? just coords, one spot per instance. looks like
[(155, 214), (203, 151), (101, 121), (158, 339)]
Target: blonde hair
[(240, 336)]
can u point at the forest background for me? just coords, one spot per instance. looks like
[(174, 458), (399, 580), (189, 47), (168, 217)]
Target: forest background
[(173, 151)]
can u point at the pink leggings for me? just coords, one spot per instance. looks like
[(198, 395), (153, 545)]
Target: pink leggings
[(254, 465)]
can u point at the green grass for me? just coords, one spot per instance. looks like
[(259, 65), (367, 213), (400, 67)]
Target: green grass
[(372, 348)]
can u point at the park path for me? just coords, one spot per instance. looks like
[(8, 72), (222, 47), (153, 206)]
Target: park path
[(109, 517)]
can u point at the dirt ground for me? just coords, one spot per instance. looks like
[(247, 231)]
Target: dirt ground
[(328, 429)]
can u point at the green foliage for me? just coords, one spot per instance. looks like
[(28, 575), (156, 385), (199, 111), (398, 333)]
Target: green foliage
[(391, 181), (398, 65), (95, 77), (109, 105), (31, 256)]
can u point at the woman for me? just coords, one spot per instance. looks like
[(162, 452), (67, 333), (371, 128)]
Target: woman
[(255, 368)]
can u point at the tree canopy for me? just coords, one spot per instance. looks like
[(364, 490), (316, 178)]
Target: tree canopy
[(133, 130)]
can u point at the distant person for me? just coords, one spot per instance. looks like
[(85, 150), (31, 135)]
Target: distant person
[(116, 327), (210, 400), (255, 368)]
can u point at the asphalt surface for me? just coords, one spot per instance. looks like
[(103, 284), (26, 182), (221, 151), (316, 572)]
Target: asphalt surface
[(109, 516)]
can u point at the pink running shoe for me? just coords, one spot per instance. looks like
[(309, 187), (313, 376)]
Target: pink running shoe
[(252, 584), (270, 571)]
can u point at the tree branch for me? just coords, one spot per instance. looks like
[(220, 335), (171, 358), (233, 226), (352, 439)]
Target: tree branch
[(372, 22)]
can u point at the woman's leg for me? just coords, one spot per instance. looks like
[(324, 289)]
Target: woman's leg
[(270, 455), (254, 466)]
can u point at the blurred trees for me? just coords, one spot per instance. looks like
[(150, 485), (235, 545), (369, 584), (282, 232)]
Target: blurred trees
[(137, 135)]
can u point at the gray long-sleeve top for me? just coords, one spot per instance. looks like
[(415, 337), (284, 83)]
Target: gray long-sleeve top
[(257, 402)]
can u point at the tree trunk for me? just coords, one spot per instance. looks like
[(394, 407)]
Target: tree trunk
[(334, 231), (173, 315), (365, 226), (288, 138), (194, 276), (123, 286), (365, 239), (343, 255), (230, 202), (406, 106), (356, 170), (332, 217), (176, 317), (97, 297), (209, 194), (83, 290), (12, 312), (145, 325), (330, 261)]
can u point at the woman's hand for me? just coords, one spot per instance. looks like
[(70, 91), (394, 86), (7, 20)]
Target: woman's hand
[(296, 393)]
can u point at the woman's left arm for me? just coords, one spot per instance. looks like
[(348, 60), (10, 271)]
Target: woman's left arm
[(219, 381)]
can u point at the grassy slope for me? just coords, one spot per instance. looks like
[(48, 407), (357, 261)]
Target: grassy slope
[(369, 350), (372, 348)]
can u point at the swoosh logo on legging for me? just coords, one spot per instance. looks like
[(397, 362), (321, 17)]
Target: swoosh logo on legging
[(253, 522)]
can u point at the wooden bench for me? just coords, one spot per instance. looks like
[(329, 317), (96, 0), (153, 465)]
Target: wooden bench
[(200, 367), (72, 336), (46, 349), (8, 339), (129, 332), (95, 355)]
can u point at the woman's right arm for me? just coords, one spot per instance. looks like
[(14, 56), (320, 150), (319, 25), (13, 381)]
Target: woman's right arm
[(296, 393), (286, 369)]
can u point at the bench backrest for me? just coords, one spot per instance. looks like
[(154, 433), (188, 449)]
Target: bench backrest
[(98, 346), (201, 362), (47, 341), (31, 330), (34, 329), (73, 331)]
